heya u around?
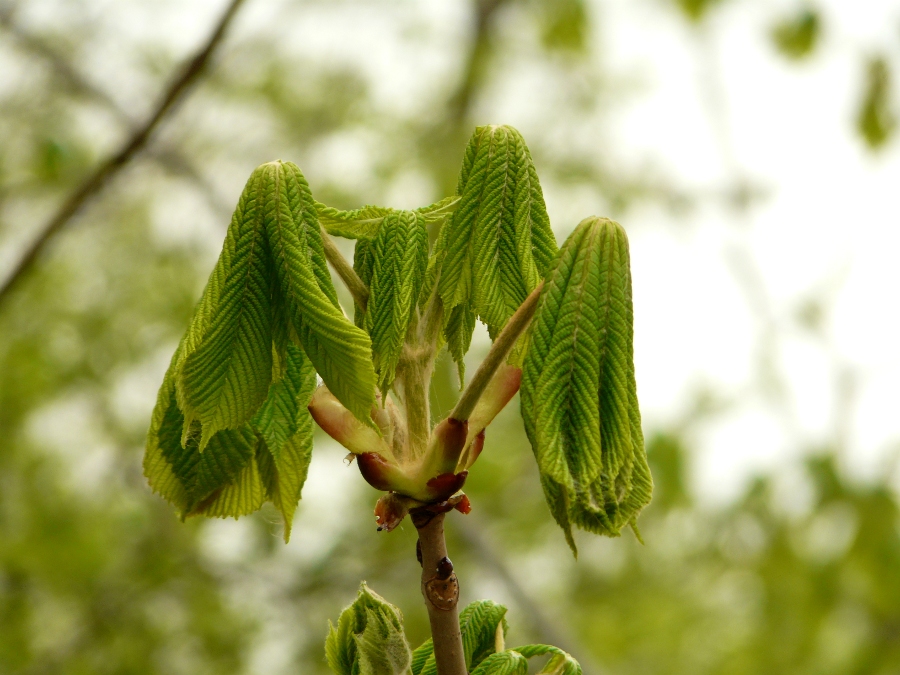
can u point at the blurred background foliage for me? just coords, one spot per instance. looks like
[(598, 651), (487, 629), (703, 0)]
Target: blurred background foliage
[(96, 574)]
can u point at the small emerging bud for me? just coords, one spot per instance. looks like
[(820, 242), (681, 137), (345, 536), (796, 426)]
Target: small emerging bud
[(391, 509)]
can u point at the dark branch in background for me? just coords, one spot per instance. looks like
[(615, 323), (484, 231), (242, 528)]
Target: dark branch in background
[(168, 157), (176, 92), (473, 72)]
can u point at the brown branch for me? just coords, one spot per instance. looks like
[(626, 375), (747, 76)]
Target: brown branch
[(517, 323), (176, 92), (440, 589)]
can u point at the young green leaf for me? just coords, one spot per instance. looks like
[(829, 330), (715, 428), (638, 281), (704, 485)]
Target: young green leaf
[(503, 663), (560, 662), (578, 394), (265, 459), (399, 256), (226, 372), (368, 639), (340, 352), (498, 245), (193, 481), (481, 623), (360, 224)]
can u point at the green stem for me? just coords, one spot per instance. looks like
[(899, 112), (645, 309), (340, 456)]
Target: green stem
[(516, 325), (345, 271)]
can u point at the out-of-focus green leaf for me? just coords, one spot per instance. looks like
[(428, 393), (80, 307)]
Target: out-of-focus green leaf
[(695, 10), (368, 639), (876, 119), (797, 36), (564, 25), (578, 394)]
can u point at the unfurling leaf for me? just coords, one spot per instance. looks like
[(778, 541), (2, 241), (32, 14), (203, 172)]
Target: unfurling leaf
[(578, 394), (368, 639), (227, 363), (285, 427), (395, 263), (498, 245), (272, 270), (265, 459), (231, 427), (483, 626), (340, 352), (360, 224), (508, 662)]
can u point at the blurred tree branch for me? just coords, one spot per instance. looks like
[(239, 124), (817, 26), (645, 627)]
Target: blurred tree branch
[(168, 157), (136, 142)]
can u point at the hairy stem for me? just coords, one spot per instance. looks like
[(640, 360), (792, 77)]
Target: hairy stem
[(345, 271), (414, 376), (440, 589), (516, 325)]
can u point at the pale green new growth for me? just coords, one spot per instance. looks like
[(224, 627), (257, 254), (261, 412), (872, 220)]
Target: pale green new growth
[(265, 459), (233, 423), (368, 639), (578, 394), (225, 376), (498, 245), (480, 623), (395, 269), (231, 429)]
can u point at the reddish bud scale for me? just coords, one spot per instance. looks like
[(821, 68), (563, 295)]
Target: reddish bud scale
[(377, 471), (441, 487)]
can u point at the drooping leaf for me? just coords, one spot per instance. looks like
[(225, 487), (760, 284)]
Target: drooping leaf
[(221, 481), (227, 363), (368, 639), (578, 393), (286, 429), (458, 333), (440, 211), (340, 352), (498, 245), (362, 223), (363, 266), (399, 256)]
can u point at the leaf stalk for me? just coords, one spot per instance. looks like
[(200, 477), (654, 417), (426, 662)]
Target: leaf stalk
[(504, 343)]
